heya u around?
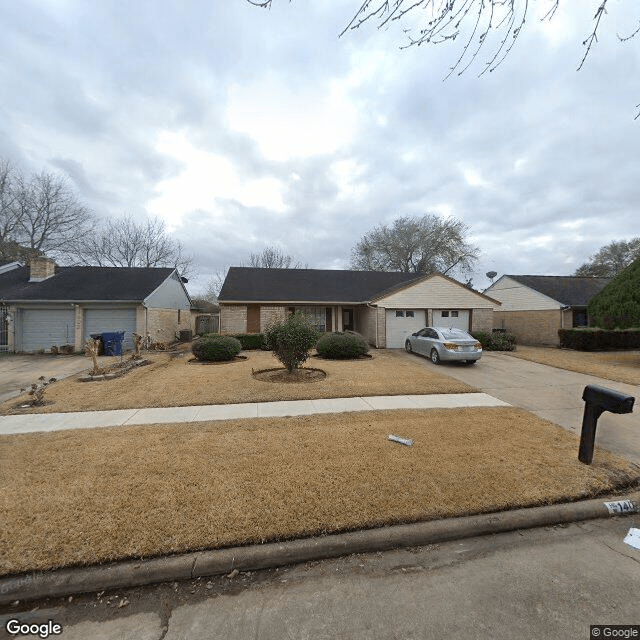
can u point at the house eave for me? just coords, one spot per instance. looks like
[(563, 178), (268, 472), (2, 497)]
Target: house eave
[(297, 302)]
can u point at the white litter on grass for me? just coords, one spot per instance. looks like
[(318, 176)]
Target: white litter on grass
[(633, 538), (405, 441)]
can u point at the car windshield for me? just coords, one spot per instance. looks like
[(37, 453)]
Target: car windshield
[(454, 334)]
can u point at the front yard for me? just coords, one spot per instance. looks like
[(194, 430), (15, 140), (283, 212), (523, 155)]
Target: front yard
[(80, 497), (621, 366), (173, 382)]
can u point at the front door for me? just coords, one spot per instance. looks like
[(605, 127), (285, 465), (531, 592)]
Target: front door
[(347, 320)]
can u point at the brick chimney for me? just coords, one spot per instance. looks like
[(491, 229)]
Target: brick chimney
[(41, 268)]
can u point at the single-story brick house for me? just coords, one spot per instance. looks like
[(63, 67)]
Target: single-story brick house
[(385, 307), (535, 307), (46, 305)]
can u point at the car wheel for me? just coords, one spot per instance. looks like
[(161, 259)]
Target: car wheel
[(470, 362), (435, 358), (407, 347)]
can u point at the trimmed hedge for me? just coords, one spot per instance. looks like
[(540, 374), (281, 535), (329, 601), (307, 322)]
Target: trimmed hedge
[(251, 340), (495, 341), (215, 348), (342, 346), (592, 339)]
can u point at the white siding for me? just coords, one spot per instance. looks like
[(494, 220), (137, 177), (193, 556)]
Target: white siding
[(435, 293), (518, 297), (41, 328), (169, 295)]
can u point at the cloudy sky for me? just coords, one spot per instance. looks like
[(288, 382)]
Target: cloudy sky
[(243, 127)]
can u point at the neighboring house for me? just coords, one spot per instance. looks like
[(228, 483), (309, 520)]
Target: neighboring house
[(50, 306), (535, 307), (385, 307)]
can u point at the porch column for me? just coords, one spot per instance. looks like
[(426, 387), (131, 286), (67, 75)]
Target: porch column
[(338, 319), (79, 327)]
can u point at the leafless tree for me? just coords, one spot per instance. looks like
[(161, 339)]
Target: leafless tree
[(609, 260), (416, 245), (8, 196), (124, 242), (474, 21), (50, 217), (214, 285), (273, 258)]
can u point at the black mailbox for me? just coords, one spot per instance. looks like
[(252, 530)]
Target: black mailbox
[(598, 400)]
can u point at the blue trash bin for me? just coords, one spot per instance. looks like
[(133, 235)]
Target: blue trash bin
[(113, 343)]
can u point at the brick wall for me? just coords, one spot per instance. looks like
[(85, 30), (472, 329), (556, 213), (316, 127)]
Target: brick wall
[(271, 314), (233, 318), (162, 324), (482, 320), (533, 327)]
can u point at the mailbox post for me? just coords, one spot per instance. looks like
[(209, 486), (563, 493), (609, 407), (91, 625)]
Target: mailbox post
[(598, 400)]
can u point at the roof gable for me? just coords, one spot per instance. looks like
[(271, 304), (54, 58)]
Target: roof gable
[(84, 283), (250, 284), (574, 291)]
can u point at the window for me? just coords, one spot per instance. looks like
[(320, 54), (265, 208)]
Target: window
[(409, 314), (317, 316), (399, 313), (454, 314), (445, 314)]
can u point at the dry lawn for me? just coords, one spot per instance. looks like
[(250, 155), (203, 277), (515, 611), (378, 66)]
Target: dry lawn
[(80, 497), (172, 382), (622, 366)]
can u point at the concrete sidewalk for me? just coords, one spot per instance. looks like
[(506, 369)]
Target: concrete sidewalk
[(89, 419)]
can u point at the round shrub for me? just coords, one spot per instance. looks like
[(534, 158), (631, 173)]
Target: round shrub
[(291, 340), (342, 346), (213, 348)]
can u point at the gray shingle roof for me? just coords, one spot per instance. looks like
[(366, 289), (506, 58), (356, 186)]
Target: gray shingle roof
[(249, 284), (84, 283), (574, 291)]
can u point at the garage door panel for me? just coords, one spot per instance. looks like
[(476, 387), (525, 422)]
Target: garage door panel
[(401, 324), (111, 320), (455, 318), (42, 328)]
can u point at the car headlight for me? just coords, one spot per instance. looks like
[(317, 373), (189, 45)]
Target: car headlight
[(478, 346), (450, 346)]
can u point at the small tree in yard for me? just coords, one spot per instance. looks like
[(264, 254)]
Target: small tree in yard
[(291, 340)]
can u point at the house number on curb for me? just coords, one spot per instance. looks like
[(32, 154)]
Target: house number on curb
[(621, 506)]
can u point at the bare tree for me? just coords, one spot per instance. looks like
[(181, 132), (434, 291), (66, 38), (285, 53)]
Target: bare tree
[(8, 197), (273, 258), (609, 260), (214, 285), (475, 21), (49, 216), (416, 245), (123, 242)]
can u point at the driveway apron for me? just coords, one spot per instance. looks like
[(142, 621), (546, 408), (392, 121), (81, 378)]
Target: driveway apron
[(550, 393)]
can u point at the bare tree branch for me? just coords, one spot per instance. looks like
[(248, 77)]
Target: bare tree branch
[(273, 258), (124, 242)]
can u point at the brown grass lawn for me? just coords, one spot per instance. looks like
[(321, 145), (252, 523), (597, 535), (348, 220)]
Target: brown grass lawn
[(622, 366), (173, 382), (90, 496)]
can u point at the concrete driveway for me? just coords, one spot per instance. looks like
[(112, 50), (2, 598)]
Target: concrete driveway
[(20, 371), (550, 393)]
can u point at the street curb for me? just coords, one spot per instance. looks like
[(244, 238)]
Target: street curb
[(120, 575)]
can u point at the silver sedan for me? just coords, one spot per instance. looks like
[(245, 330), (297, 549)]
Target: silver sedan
[(441, 343)]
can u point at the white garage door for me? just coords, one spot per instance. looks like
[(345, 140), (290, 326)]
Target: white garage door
[(456, 318), (43, 328), (402, 323), (111, 320)]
